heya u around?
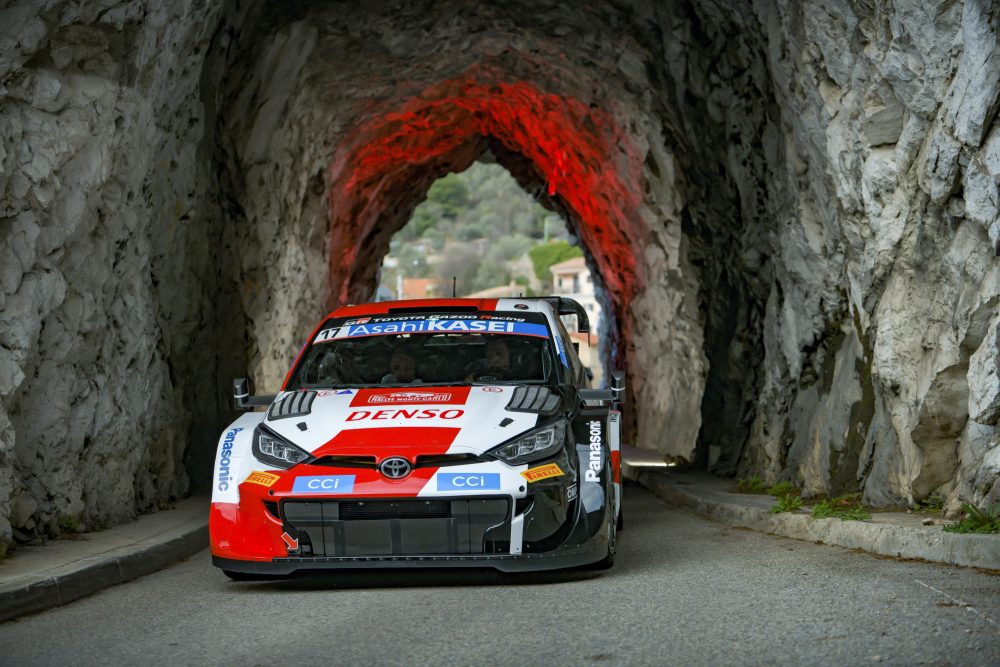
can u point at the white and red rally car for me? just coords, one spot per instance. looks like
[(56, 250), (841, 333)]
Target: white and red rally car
[(434, 433)]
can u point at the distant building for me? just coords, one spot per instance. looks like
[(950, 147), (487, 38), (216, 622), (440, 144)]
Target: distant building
[(422, 288), (383, 293), (499, 292), (572, 279)]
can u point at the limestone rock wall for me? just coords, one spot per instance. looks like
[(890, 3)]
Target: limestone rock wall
[(886, 268), (107, 259)]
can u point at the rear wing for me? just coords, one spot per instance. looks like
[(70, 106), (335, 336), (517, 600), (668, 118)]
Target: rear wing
[(563, 306)]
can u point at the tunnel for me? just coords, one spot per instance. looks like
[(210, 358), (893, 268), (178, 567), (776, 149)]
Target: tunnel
[(796, 237)]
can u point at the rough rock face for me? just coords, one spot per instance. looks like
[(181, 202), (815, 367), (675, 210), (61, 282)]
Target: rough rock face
[(108, 252), (793, 208)]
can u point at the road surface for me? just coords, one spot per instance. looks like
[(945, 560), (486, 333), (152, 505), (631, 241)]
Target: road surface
[(685, 591)]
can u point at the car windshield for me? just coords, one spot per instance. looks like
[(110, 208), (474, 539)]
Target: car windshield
[(428, 349)]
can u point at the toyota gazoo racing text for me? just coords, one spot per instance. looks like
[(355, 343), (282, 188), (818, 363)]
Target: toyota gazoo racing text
[(448, 432)]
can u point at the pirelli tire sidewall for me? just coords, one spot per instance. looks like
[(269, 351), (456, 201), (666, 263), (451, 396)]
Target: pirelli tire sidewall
[(596, 490)]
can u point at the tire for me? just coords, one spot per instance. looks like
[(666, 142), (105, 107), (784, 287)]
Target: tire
[(608, 561)]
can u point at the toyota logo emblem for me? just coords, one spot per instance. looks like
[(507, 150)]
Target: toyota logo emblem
[(395, 468)]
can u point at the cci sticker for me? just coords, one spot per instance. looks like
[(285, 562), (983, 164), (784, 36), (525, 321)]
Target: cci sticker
[(324, 484), (542, 472), (263, 478), (464, 481)]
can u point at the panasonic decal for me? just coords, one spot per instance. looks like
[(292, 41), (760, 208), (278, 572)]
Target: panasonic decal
[(224, 458), (595, 464)]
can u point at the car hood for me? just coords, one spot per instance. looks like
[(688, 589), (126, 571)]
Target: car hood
[(405, 420)]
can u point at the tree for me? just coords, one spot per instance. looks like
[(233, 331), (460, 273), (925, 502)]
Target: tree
[(545, 255), (450, 194)]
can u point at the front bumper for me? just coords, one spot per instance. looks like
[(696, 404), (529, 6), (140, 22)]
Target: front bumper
[(548, 523), (593, 551)]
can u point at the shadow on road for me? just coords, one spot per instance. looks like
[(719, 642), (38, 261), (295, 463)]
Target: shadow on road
[(416, 578), (634, 553)]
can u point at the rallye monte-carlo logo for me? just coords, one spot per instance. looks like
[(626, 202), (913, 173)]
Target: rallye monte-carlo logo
[(410, 397), (384, 397)]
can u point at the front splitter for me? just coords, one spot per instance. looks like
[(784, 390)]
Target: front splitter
[(586, 554)]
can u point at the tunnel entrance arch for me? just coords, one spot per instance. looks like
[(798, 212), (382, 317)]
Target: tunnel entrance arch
[(574, 154), (478, 234)]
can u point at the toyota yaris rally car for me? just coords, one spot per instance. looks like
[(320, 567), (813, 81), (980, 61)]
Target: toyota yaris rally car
[(434, 433)]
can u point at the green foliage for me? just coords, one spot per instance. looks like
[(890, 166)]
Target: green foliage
[(481, 216), (752, 485), (783, 489), (450, 195), (787, 503), (931, 504), (70, 524), (977, 520), (842, 507), (545, 255)]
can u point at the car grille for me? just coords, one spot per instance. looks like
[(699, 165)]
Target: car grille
[(398, 526), (395, 509), (423, 461)]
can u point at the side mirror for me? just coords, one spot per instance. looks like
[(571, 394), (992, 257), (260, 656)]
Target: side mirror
[(618, 385), (242, 400)]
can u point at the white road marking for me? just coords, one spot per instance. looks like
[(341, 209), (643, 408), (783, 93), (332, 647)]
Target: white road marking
[(965, 605)]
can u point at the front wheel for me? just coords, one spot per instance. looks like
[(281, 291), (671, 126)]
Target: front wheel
[(608, 561)]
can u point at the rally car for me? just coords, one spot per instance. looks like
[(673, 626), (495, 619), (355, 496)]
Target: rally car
[(429, 433)]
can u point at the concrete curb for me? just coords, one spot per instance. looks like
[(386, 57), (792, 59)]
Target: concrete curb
[(925, 543), (74, 580)]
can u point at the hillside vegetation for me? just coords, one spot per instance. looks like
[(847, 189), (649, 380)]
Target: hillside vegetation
[(482, 228)]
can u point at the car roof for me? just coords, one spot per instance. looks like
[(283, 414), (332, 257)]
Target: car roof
[(431, 305)]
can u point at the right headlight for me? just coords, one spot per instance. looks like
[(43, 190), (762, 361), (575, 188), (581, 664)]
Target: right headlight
[(276, 451), (532, 446)]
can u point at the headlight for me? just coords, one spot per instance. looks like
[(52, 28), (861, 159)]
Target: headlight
[(532, 446), (272, 450)]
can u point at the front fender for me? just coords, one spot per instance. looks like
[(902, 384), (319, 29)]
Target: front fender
[(234, 459)]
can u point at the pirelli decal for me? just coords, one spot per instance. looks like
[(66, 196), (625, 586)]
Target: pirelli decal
[(263, 478), (542, 472)]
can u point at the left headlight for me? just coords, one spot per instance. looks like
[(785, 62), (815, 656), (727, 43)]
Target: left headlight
[(273, 450), (532, 446)]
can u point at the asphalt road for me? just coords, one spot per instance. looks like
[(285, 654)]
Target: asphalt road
[(685, 591)]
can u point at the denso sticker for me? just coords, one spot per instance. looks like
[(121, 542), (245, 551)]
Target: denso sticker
[(468, 481), (542, 472), (400, 413), (324, 484), (263, 478)]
